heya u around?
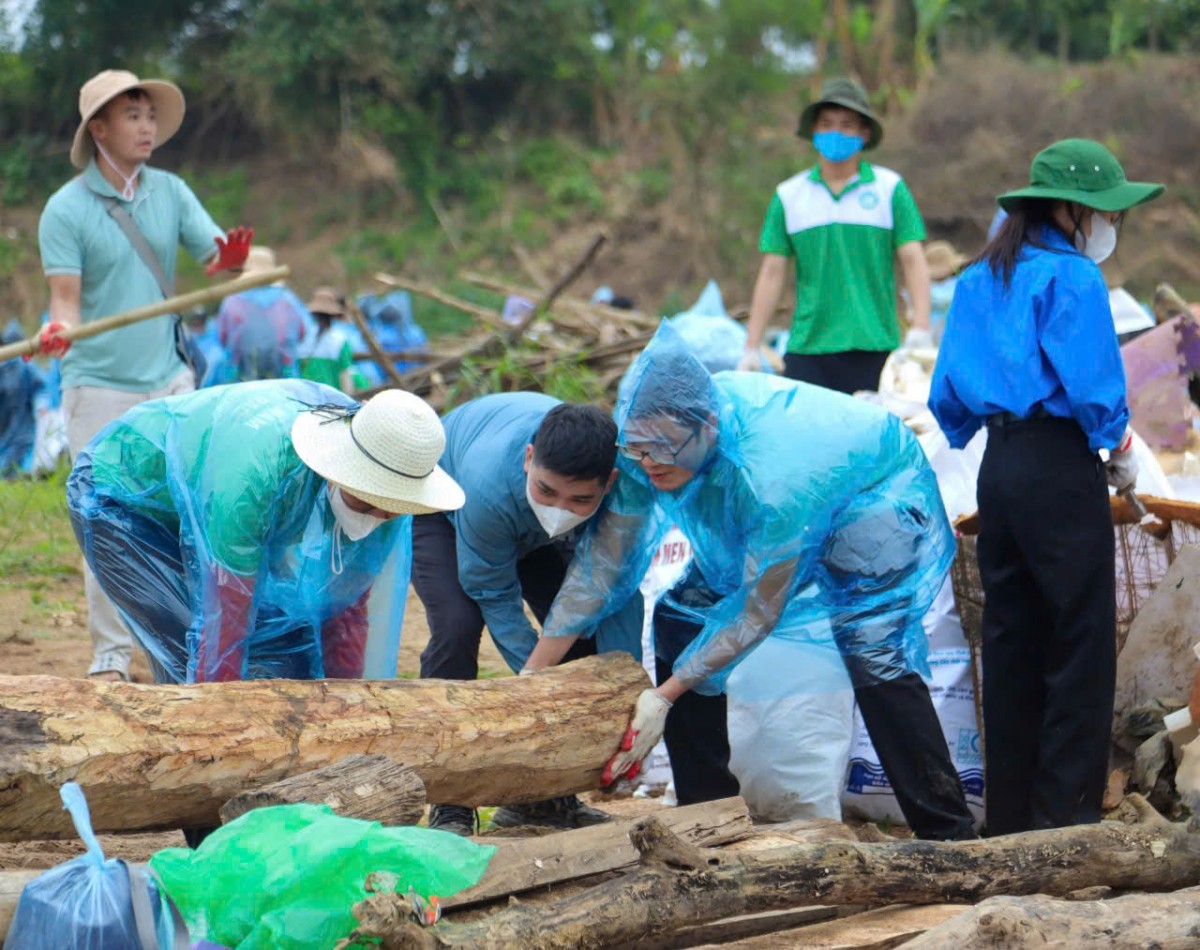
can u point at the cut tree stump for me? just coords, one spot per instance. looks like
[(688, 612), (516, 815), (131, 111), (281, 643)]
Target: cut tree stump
[(519, 866), (680, 885), (370, 787), (152, 757), (1133, 922)]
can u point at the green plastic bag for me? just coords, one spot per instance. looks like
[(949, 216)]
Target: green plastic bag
[(287, 877)]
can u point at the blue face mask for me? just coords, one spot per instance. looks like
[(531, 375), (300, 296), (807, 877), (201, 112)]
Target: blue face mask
[(837, 146)]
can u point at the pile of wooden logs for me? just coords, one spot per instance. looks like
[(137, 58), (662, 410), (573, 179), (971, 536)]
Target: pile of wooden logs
[(171, 756), (558, 329)]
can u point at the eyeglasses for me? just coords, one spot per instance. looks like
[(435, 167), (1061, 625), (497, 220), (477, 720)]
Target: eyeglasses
[(662, 455)]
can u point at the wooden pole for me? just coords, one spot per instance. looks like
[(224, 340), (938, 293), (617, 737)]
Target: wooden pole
[(176, 304), (169, 756), (493, 320), (377, 351)]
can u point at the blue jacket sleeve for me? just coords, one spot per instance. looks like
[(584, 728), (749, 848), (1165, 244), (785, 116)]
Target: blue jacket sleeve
[(957, 422), (609, 562), (1078, 338), (487, 571)]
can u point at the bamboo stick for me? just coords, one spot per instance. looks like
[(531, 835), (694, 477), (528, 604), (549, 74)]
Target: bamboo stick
[(377, 352), (176, 304), (489, 317)]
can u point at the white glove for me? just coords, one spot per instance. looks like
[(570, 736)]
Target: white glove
[(526, 672), (751, 360), (1121, 469), (917, 339), (641, 736)]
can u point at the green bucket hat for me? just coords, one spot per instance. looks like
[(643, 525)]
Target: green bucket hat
[(1085, 172), (848, 94)]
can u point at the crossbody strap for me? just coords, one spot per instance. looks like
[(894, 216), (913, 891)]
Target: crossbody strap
[(129, 227)]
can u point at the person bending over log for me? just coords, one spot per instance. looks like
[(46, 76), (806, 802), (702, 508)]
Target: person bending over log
[(239, 529), (812, 516), (535, 471)]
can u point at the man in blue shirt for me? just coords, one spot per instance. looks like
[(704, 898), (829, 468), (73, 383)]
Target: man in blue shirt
[(534, 470), (94, 271)]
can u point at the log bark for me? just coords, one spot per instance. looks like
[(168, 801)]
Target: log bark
[(680, 885), (520, 866), (1164, 921), (370, 787), (168, 756)]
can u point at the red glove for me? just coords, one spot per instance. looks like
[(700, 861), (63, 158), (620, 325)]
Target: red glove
[(222, 652), (344, 642), (50, 343), (233, 251)]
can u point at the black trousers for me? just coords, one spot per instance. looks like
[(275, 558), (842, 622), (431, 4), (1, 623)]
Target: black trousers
[(455, 620), (899, 716), (846, 372), (1049, 625)]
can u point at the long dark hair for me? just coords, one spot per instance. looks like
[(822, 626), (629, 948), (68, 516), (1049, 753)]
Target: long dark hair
[(1026, 221)]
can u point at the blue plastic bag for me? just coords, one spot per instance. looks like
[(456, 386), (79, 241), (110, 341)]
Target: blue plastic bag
[(90, 903)]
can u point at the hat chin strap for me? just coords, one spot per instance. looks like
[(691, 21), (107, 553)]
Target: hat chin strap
[(130, 188)]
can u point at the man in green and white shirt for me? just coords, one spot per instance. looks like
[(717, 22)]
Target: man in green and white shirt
[(843, 223)]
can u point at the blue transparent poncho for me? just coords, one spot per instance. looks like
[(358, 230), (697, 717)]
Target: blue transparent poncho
[(812, 516), (214, 540)]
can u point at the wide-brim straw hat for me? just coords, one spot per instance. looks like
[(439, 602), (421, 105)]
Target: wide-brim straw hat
[(259, 259), (326, 300), (943, 259), (102, 88), (1082, 171), (384, 452), (849, 95)]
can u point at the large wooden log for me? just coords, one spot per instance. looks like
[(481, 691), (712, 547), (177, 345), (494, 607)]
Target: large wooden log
[(680, 885), (152, 757), (370, 787), (1134, 922)]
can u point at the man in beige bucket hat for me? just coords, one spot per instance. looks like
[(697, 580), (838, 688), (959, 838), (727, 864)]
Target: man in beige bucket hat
[(108, 240)]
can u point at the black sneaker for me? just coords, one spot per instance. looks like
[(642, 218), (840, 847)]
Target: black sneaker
[(457, 819), (565, 812)]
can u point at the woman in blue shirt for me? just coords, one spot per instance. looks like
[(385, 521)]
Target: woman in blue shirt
[(1030, 352)]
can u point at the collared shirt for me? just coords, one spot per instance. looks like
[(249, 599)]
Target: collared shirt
[(844, 248), (1046, 342), (496, 527), (77, 236)]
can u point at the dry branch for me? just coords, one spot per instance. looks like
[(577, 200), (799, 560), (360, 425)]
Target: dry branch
[(489, 317), (370, 787), (377, 352), (169, 756), (680, 885)]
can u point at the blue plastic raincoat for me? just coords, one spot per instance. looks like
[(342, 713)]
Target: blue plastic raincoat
[(812, 516), (496, 528), (215, 540)]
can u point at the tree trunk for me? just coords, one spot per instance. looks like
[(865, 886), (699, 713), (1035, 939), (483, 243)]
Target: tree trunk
[(1124, 923), (370, 787), (680, 885), (168, 756)]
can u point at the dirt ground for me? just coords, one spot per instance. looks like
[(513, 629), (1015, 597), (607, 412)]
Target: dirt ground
[(36, 640)]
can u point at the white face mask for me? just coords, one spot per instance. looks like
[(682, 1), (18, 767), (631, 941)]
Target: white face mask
[(356, 525), (1100, 244), (554, 521)]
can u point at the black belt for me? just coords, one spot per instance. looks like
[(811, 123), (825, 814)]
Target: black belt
[(1011, 418)]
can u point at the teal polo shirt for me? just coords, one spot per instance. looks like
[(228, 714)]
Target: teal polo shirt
[(77, 236), (844, 249)]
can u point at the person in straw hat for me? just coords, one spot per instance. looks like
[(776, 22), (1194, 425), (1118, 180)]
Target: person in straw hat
[(1030, 353), (240, 529), (95, 271), (944, 262), (327, 356), (263, 328), (843, 222)]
